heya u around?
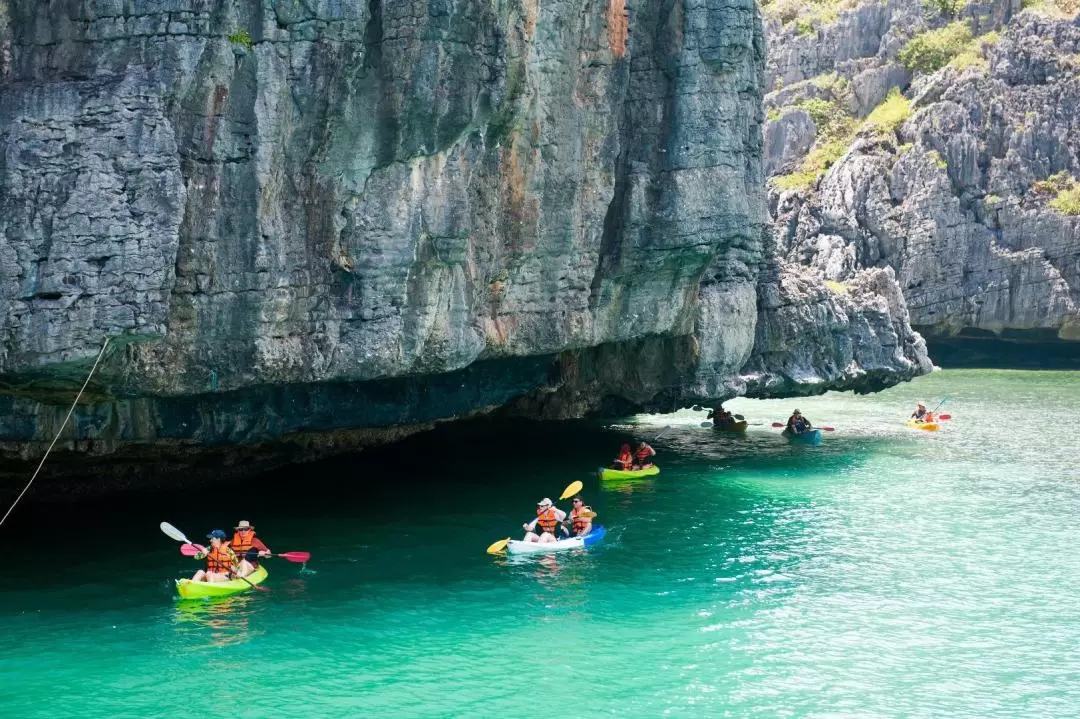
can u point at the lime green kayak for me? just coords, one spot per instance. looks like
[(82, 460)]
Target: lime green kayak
[(200, 590), (609, 473)]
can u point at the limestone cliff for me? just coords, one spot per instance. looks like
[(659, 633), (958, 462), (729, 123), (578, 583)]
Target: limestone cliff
[(323, 223), (963, 180)]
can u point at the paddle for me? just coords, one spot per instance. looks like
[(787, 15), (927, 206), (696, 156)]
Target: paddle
[(174, 533), (571, 489), (190, 550), (827, 429)]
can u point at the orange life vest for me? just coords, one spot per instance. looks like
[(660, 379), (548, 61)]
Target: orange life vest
[(625, 459), (643, 453), (579, 523), (221, 560), (239, 545), (547, 519)]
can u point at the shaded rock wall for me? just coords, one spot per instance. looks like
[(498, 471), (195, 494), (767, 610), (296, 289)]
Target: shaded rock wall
[(290, 208)]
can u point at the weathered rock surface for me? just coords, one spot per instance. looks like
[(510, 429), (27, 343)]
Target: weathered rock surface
[(957, 202), (335, 216)]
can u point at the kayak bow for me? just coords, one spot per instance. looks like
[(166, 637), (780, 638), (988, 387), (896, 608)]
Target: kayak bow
[(733, 427)]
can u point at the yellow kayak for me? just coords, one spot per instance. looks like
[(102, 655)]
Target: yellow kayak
[(609, 473), (927, 426), (201, 590)]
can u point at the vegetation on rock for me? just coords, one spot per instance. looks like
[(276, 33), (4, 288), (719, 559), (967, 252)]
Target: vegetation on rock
[(932, 50), (887, 117)]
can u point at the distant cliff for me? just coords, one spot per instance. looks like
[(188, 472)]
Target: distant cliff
[(942, 140), (309, 225)]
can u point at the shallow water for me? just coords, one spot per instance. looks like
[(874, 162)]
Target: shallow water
[(889, 572)]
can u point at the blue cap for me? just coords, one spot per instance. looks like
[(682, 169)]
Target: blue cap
[(216, 534)]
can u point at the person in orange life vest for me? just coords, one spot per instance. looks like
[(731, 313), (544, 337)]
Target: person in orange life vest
[(642, 454), (248, 547), (579, 524), (921, 414), (548, 517), (221, 561), (625, 459)]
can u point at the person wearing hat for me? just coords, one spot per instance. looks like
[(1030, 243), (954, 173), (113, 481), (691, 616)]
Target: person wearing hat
[(580, 517), (548, 517), (247, 547), (921, 415), (221, 561), (797, 424)]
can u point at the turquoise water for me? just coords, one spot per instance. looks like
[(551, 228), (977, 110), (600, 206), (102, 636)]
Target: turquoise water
[(887, 573)]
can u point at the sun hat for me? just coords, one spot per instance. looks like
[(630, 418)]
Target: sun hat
[(244, 524)]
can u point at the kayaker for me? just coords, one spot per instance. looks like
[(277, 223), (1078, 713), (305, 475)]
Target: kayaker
[(221, 561), (548, 517), (921, 414), (625, 460), (580, 525), (721, 417), (797, 424), (248, 547), (642, 454)]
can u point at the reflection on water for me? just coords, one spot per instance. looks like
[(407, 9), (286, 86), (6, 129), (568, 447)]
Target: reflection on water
[(223, 621)]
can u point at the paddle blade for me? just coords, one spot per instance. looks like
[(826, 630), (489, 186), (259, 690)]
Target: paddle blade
[(571, 489), (173, 532), (498, 546), (190, 550), (587, 514), (298, 557), (697, 408), (739, 417), (944, 416), (777, 424), (828, 429), (706, 424)]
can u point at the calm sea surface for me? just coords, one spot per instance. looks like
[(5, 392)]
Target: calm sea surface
[(888, 573)]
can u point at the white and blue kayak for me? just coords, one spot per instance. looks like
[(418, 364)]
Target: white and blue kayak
[(517, 546)]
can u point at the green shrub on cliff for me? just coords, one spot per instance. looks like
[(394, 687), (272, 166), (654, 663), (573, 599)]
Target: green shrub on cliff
[(241, 38), (933, 49), (1067, 192), (888, 116)]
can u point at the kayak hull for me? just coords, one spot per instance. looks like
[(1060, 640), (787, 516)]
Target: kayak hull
[(515, 546), (811, 437), (925, 426), (609, 473), (733, 428), (188, 589)]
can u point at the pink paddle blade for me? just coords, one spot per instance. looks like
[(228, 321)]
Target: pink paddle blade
[(190, 550), (298, 557), (944, 416)]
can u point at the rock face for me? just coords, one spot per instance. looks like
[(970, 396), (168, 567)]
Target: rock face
[(972, 199), (323, 217)]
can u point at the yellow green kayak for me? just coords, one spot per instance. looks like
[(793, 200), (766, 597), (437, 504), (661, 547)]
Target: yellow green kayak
[(928, 426), (201, 590), (609, 473)]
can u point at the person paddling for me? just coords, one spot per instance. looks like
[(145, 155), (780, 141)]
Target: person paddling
[(248, 547), (221, 561), (721, 417), (625, 460), (921, 414), (797, 424), (642, 454), (579, 524), (548, 517)]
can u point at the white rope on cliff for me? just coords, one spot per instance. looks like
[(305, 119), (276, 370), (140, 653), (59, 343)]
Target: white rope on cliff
[(58, 433)]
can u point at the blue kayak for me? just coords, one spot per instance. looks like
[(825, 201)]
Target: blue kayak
[(810, 436)]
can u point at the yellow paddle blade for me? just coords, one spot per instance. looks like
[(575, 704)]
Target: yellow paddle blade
[(587, 514), (498, 546), (571, 489)]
